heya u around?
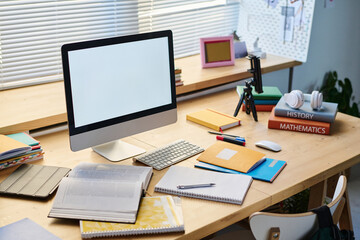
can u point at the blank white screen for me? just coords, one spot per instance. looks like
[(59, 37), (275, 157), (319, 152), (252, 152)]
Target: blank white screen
[(119, 79)]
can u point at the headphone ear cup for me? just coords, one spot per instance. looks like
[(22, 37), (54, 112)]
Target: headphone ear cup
[(295, 99), (316, 100)]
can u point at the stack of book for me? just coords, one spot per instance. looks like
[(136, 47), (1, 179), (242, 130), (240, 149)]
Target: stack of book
[(304, 119), (264, 102), (19, 148), (178, 81)]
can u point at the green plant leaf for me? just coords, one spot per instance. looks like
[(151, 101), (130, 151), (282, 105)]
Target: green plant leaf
[(340, 92)]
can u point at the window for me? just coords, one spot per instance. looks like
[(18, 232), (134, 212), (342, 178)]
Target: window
[(32, 31)]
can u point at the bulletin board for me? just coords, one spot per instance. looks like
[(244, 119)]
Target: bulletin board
[(282, 26)]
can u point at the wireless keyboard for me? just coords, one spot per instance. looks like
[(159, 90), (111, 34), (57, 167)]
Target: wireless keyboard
[(170, 154)]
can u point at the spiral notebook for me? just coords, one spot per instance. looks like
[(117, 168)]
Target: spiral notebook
[(156, 215), (230, 188)]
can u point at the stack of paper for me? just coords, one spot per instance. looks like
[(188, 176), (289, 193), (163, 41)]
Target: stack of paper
[(19, 148)]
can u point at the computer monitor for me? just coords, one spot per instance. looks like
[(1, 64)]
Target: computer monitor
[(117, 87)]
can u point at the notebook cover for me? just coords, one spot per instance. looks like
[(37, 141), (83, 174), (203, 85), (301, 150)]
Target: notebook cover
[(33, 180), (269, 92), (10, 147), (25, 229), (267, 171), (298, 125), (231, 156), (213, 119), (24, 138), (156, 215), (327, 113), (230, 188)]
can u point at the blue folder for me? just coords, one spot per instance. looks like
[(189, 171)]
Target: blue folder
[(267, 171)]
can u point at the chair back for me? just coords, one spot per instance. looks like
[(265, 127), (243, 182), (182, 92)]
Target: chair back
[(295, 226)]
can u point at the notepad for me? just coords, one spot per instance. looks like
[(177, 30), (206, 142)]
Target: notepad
[(156, 215), (230, 188), (213, 119)]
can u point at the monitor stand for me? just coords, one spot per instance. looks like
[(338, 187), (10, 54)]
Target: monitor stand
[(117, 150)]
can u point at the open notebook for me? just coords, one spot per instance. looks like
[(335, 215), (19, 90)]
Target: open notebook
[(230, 188), (160, 214)]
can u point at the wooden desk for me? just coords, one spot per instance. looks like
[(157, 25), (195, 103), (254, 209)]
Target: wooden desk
[(44, 105), (311, 159)]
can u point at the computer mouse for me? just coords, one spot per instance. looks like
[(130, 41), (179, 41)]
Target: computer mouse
[(269, 145)]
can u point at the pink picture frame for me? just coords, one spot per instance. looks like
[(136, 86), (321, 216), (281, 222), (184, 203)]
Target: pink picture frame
[(217, 51)]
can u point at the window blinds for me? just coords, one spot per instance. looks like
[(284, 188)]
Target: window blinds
[(33, 31)]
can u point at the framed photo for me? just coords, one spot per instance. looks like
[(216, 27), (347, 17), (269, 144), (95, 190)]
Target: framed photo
[(217, 51)]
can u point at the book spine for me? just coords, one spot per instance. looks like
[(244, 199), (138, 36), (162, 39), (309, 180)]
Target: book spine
[(303, 115), (261, 108), (265, 102), (298, 127)]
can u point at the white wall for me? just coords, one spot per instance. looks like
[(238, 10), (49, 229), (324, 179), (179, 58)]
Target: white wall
[(334, 46)]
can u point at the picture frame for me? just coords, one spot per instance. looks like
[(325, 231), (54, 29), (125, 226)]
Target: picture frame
[(217, 51)]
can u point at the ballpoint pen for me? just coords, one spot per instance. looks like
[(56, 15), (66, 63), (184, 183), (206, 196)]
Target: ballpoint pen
[(228, 135), (201, 185), (230, 140)]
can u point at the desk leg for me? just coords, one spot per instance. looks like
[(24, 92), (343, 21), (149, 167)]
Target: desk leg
[(317, 195), (291, 73)]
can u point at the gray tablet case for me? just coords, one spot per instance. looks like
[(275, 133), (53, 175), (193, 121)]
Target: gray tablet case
[(33, 180)]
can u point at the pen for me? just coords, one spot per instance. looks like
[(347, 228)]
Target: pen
[(230, 140), (196, 185), (228, 135)]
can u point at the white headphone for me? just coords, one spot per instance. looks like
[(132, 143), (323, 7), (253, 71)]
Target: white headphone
[(295, 99)]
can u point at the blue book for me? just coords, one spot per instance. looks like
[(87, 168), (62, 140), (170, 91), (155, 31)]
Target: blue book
[(265, 102), (25, 229), (267, 171), (326, 113)]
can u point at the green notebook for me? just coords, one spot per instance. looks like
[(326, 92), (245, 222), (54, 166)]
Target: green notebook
[(270, 93)]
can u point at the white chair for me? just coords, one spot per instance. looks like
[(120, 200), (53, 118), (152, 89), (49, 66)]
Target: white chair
[(295, 226)]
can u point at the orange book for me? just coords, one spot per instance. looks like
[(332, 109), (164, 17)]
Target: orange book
[(298, 125), (213, 119), (232, 156), (261, 108)]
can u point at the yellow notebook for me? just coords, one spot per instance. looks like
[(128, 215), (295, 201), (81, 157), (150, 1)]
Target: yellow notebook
[(213, 119), (10, 147), (232, 156), (156, 215)]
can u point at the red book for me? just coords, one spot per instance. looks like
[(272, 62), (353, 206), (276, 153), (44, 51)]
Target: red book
[(298, 125), (261, 108)]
